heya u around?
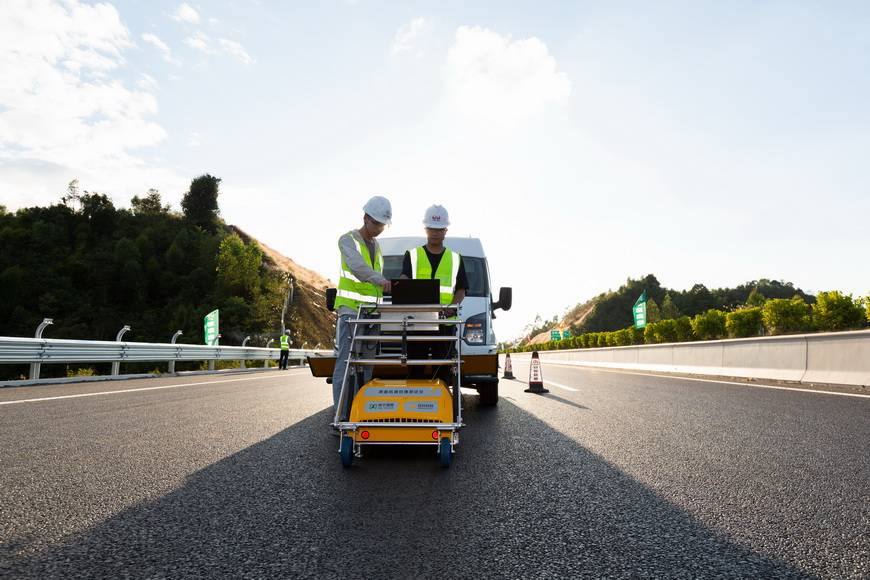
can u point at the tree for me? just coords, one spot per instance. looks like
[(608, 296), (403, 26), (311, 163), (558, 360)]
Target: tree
[(151, 204), (781, 316), (669, 309), (683, 326), (755, 298), (709, 325), (200, 205), (653, 312), (743, 322), (867, 308), (238, 267), (72, 194), (836, 311)]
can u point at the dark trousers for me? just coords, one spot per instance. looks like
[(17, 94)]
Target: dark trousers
[(282, 362)]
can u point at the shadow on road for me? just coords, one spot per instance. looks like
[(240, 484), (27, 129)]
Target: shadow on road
[(520, 500)]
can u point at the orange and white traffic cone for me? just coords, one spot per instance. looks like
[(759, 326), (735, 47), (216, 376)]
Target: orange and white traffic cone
[(508, 368), (536, 378)]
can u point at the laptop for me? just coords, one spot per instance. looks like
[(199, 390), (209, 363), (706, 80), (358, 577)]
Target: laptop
[(407, 291), (413, 292)]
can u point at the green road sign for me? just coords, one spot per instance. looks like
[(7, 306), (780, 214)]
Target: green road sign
[(555, 335), (211, 325), (566, 334), (639, 311)]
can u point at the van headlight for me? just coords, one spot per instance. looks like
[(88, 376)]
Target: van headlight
[(475, 329)]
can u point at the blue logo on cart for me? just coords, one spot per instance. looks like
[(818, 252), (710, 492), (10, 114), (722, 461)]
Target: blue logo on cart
[(421, 406), (402, 392), (381, 406)]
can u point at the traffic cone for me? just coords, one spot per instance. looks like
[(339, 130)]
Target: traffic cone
[(536, 378), (508, 368)]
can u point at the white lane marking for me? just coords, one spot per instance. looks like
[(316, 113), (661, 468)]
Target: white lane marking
[(653, 374), (558, 386), (135, 390)]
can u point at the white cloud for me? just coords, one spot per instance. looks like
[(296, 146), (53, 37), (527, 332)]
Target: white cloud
[(200, 42), (493, 77), (405, 36), (147, 83), (186, 13), (161, 46), (235, 50), (60, 106)]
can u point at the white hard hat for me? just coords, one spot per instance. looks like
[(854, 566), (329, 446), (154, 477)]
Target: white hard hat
[(379, 209), (436, 217)]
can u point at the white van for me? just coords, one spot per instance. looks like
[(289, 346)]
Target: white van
[(479, 346)]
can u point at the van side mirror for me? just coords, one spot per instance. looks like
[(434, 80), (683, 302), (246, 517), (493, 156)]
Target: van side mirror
[(330, 299), (505, 299)]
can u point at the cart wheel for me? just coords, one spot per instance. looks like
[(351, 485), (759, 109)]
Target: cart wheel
[(346, 451), (445, 454)]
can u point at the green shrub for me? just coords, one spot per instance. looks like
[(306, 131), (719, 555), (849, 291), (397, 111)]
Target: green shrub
[(624, 337), (636, 335), (683, 326), (743, 322), (666, 331), (709, 325), (649, 333), (836, 311), (867, 308), (602, 339), (781, 316), (81, 372)]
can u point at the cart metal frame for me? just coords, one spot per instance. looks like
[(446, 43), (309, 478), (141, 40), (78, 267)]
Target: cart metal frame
[(368, 314)]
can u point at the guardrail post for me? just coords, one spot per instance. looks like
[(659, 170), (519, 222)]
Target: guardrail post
[(36, 367), (116, 366), (211, 361), (177, 351), (266, 362), (244, 342)]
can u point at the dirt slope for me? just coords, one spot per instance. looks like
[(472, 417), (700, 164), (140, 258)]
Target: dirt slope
[(308, 319)]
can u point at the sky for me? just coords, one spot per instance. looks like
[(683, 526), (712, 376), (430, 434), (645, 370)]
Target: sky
[(582, 142)]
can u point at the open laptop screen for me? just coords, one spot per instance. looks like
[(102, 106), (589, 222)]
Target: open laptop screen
[(415, 291)]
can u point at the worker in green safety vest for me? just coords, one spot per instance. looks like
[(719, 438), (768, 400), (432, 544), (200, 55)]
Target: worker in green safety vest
[(435, 261), (360, 281), (285, 350)]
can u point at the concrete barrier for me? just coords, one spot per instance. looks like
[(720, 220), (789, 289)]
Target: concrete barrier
[(841, 358)]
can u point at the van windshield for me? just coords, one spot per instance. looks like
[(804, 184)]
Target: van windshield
[(475, 269)]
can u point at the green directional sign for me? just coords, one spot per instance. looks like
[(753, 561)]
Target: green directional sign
[(566, 334), (639, 311), (555, 335), (211, 325)]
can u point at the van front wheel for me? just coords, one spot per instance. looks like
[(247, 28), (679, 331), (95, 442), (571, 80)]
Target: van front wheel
[(488, 394)]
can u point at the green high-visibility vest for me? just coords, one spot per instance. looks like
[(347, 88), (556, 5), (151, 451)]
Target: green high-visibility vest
[(285, 342), (352, 292), (447, 272)]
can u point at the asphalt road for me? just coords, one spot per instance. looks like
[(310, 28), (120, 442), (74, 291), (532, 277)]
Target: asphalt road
[(609, 475)]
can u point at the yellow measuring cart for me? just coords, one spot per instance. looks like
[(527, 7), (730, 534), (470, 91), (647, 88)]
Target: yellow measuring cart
[(413, 398)]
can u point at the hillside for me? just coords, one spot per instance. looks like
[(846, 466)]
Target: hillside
[(94, 267), (309, 319), (611, 310)]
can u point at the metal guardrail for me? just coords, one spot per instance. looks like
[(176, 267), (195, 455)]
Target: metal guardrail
[(15, 350)]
